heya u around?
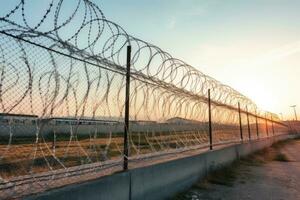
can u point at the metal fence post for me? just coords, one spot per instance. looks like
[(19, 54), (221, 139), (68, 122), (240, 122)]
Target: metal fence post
[(257, 131), (54, 143), (126, 119), (249, 131), (240, 118), (267, 125), (272, 126), (209, 122)]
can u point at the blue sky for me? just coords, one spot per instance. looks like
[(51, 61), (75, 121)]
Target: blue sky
[(254, 46)]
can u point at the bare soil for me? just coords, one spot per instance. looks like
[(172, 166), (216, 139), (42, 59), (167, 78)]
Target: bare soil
[(273, 173)]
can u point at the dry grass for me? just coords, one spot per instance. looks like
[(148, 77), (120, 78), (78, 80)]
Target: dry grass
[(281, 158), (21, 159), (24, 156), (227, 175)]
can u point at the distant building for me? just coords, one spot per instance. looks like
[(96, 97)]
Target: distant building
[(179, 120), (80, 121), (143, 122), (6, 118)]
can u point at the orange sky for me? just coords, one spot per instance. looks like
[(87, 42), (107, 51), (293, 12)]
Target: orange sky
[(253, 46)]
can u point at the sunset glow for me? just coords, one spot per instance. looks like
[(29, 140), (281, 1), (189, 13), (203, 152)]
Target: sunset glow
[(256, 53)]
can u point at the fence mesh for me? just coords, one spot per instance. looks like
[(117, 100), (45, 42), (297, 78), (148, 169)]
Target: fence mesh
[(61, 118), (62, 100)]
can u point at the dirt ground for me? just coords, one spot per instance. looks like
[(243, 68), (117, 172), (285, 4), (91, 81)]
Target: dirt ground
[(272, 173)]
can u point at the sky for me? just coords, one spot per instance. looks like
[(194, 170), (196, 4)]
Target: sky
[(253, 46)]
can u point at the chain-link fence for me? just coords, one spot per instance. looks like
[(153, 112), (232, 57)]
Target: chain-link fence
[(63, 101), (62, 119)]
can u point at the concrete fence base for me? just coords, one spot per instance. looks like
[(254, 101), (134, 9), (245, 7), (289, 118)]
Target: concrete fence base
[(158, 181)]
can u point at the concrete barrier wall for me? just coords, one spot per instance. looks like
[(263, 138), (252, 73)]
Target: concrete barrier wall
[(116, 186), (158, 181)]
